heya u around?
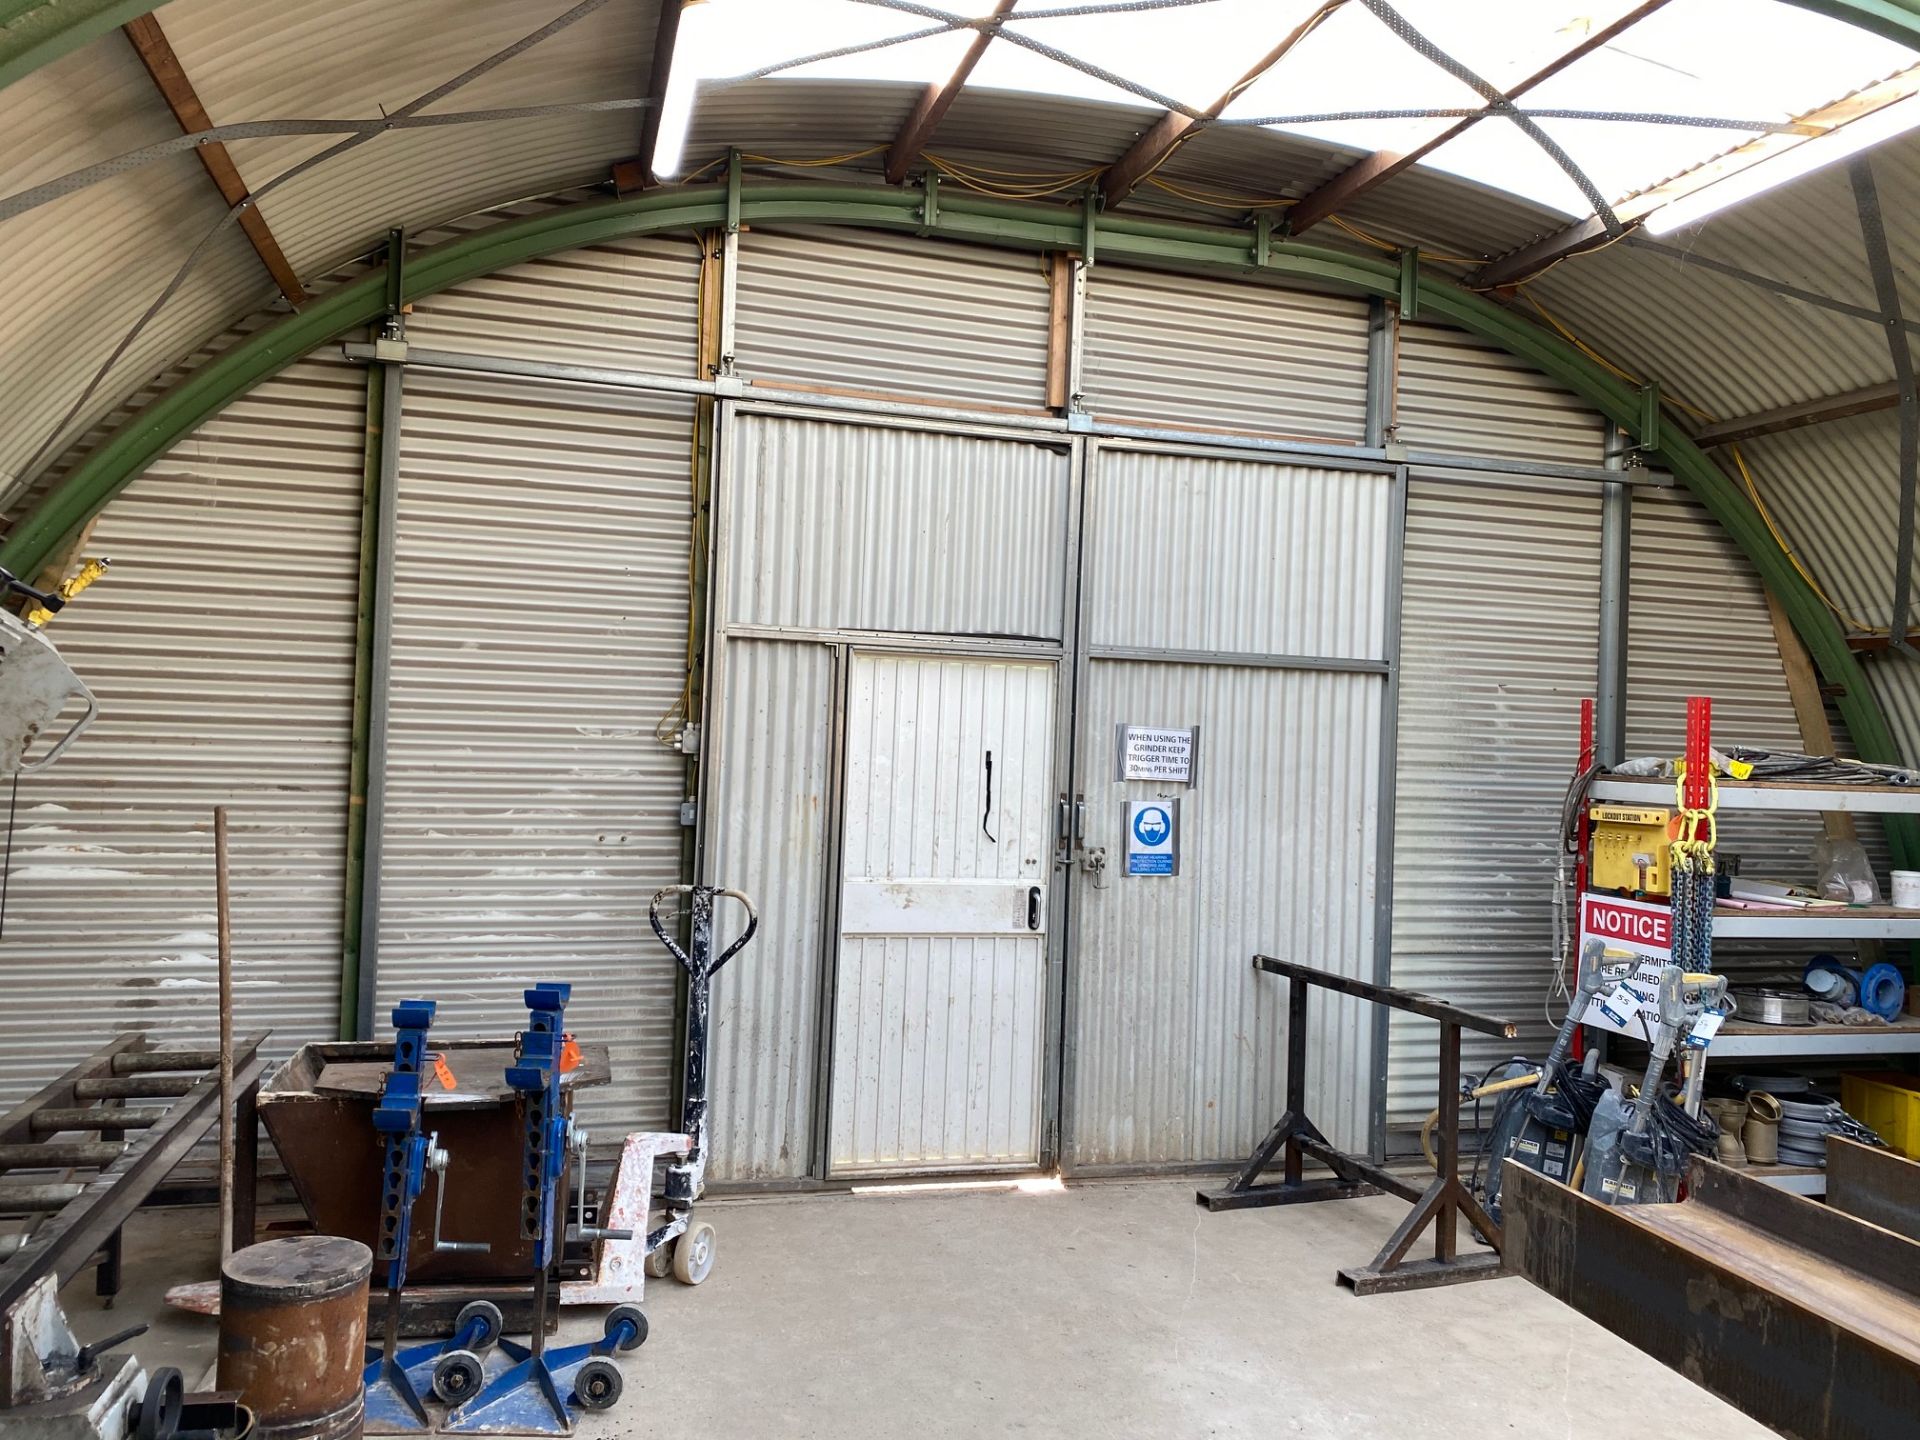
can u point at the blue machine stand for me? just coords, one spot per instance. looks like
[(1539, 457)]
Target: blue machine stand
[(531, 1397), (393, 1400)]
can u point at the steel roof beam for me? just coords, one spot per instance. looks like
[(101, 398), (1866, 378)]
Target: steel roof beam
[(151, 431), (1821, 411), (1376, 169), (637, 173), (1172, 130), (937, 99), (170, 78)]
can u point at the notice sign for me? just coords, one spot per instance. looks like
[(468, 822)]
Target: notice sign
[(1626, 1003), (1646, 930), (1154, 752), (1153, 837)]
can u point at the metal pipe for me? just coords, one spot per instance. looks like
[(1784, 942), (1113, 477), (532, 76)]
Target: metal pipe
[(224, 906), (38, 1198), (148, 1062), (379, 681), (54, 1122), (79, 1154), (139, 1087)]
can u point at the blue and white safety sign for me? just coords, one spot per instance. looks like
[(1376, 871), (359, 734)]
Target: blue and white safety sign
[(1153, 837)]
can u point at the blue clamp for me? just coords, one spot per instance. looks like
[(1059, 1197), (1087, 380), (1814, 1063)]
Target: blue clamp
[(397, 1117), (536, 1074)]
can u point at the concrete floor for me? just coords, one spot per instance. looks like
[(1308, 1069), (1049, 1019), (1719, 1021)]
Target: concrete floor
[(1103, 1310)]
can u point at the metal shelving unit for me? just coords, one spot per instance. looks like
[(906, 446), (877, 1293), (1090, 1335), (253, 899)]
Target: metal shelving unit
[(1747, 1040)]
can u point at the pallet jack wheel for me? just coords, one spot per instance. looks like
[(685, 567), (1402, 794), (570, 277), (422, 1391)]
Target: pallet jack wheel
[(491, 1322), (457, 1375), (631, 1314), (660, 1263), (157, 1415), (693, 1254), (597, 1385)]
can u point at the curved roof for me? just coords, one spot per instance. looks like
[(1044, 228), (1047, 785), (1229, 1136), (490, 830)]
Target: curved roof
[(1771, 303)]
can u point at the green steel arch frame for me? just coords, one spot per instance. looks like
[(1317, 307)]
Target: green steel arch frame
[(152, 431)]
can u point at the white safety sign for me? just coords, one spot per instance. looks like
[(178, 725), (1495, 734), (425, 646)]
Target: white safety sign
[(1153, 837), (1155, 752)]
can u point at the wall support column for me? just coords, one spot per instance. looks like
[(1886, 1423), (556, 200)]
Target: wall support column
[(1616, 549)]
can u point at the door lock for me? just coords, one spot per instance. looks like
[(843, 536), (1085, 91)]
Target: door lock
[(1094, 862)]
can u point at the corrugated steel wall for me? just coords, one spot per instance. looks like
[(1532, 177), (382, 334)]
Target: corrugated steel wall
[(1499, 644), (629, 304), (767, 833), (874, 527), (1458, 393), (539, 638), (1182, 350), (221, 648), (893, 314), (1697, 624)]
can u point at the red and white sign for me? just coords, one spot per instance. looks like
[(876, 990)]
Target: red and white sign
[(1627, 925), (1626, 1006)]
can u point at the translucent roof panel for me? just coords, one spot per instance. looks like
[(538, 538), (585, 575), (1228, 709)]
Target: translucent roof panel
[(1761, 62), (1189, 53)]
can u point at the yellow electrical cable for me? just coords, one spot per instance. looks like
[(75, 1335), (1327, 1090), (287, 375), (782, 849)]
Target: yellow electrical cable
[(1393, 249), (1217, 197), (814, 164)]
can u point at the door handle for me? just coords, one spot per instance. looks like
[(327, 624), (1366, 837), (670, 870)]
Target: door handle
[(1033, 907)]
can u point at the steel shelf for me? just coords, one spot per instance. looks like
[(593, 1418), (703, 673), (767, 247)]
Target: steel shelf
[(1778, 795), (1855, 922), (1800, 1179), (1744, 1039)]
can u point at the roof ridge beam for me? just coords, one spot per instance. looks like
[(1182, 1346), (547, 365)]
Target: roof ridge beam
[(1173, 129), (1373, 170), (170, 79)]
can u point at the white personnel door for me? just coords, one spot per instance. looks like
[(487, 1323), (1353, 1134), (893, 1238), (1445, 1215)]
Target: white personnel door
[(940, 994)]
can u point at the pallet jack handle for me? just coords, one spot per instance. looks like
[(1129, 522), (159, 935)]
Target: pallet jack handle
[(711, 893)]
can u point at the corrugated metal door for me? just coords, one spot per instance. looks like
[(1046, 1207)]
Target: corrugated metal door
[(832, 526), (539, 647), (221, 648), (770, 766), (947, 858), (1209, 581), (1499, 644)]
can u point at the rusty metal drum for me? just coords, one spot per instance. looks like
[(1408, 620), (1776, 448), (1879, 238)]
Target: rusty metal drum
[(293, 1333)]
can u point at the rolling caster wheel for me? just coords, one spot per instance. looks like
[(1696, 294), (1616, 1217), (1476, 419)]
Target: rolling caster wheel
[(156, 1416), (631, 1314), (597, 1385), (457, 1375), (488, 1314), (693, 1254), (660, 1263)]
